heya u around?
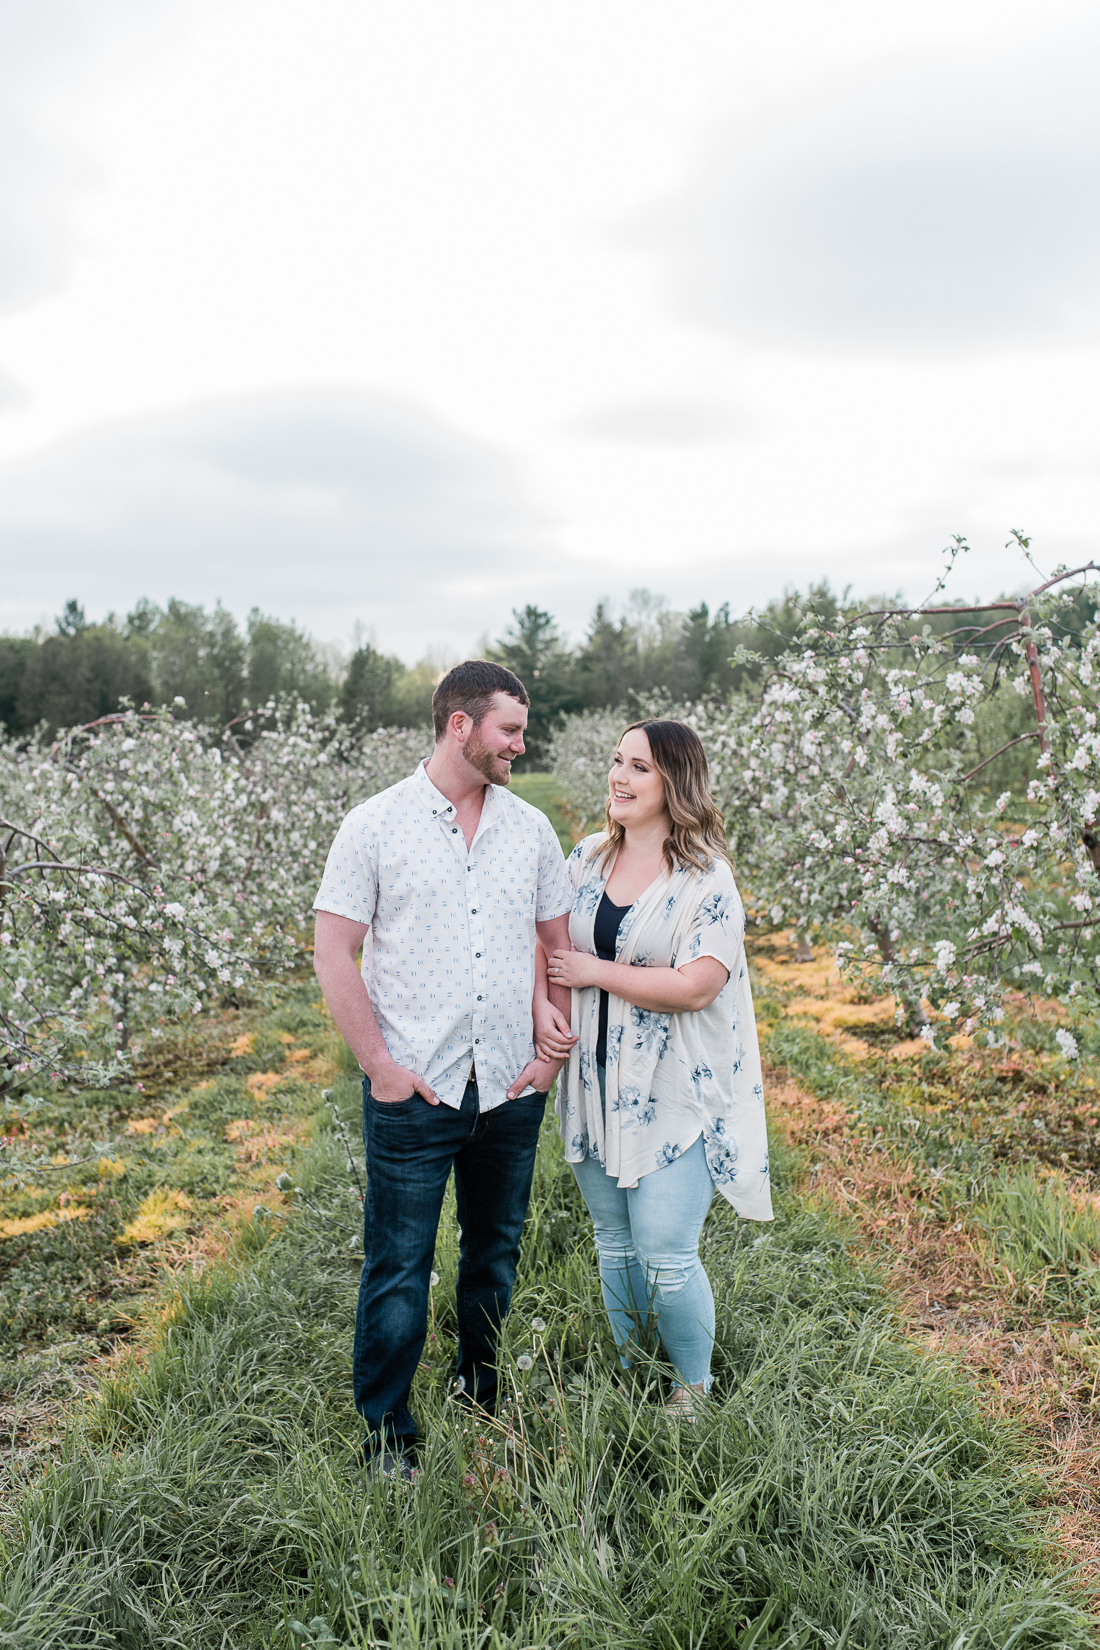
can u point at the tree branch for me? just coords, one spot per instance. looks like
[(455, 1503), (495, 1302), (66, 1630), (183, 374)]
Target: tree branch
[(1020, 605), (993, 758), (116, 818)]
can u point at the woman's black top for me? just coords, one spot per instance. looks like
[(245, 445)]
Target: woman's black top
[(605, 932)]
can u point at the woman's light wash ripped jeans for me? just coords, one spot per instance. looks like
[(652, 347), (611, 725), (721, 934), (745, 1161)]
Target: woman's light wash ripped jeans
[(647, 1239)]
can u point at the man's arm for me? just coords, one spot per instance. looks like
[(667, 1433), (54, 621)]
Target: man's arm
[(540, 1074), (553, 1034), (335, 947), (554, 936)]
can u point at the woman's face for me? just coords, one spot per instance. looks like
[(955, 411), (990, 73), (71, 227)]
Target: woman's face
[(635, 787)]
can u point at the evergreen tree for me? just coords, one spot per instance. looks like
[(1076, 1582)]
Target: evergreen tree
[(369, 695), (702, 668), (532, 646), (607, 663), (71, 620)]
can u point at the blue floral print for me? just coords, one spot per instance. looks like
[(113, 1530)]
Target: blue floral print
[(651, 1027), (722, 1163), (589, 897), (669, 1078), (636, 1110)]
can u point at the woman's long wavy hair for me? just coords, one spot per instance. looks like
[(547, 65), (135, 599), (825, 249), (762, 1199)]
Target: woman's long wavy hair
[(698, 835)]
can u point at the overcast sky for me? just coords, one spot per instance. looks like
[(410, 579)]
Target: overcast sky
[(404, 315)]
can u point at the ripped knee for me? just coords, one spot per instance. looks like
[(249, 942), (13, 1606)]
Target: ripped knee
[(614, 1251), (665, 1279)]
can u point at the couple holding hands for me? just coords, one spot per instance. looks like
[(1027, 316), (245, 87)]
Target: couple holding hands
[(489, 965)]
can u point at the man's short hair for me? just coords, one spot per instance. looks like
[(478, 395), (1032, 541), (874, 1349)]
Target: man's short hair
[(472, 686)]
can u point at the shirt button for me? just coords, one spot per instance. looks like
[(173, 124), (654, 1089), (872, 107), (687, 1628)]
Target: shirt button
[(479, 999), (477, 953), (473, 911), (454, 830)]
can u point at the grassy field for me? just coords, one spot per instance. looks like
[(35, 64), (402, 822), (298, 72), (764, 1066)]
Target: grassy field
[(541, 790), (899, 1453)]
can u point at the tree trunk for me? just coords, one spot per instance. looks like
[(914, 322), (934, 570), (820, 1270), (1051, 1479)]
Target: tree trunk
[(915, 1015)]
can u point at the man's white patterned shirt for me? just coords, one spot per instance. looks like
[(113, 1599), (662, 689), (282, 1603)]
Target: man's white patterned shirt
[(449, 958)]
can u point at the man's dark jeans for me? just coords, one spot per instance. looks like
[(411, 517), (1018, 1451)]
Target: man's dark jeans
[(411, 1149)]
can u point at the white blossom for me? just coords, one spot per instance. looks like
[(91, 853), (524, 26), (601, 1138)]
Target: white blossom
[(193, 881), (855, 798), (1067, 1042)]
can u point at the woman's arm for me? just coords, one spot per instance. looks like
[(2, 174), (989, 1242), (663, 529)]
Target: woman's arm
[(662, 990)]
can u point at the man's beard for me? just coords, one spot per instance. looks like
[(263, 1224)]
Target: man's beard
[(486, 762)]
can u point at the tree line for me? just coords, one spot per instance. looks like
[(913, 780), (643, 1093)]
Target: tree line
[(222, 670)]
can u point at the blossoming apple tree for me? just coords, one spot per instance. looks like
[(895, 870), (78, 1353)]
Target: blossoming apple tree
[(859, 806), (148, 868)]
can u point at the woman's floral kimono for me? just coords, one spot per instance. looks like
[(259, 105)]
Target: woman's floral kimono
[(669, 1077)]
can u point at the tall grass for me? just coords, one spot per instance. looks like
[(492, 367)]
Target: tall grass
[(1047, 1241), (844, 1491)]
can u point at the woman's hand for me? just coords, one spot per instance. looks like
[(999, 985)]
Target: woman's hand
[(573, 968), (553, 1038)]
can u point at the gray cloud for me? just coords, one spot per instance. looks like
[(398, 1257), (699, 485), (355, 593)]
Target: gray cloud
[(332, 505), (666, 423), (929, 204), (13, 394), (51, 54), (329, 505)]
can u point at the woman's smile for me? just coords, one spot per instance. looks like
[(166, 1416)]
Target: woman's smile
[(634, 782)]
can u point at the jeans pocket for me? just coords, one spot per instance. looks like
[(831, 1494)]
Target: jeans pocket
[(394, 1105)]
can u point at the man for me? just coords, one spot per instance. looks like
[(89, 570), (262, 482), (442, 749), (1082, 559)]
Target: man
[(444, 880)]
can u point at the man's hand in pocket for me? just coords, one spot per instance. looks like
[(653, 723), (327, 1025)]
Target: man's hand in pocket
[(395, 1083)]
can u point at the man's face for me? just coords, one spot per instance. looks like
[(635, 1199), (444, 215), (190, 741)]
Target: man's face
[(497, 738)]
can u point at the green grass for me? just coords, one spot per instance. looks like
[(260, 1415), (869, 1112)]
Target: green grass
[(1045, 1241), (80, 1280), (845, 1491), (542, 791)]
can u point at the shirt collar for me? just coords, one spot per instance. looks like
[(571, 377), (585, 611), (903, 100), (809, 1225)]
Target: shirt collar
[(434, 800), (441, 809)]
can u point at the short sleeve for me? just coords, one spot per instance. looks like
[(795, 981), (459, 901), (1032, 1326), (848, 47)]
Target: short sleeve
[(555, 894), (349, 887), (717, 926)]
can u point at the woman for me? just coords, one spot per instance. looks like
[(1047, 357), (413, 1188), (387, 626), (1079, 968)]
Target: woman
[(663, 1098)]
